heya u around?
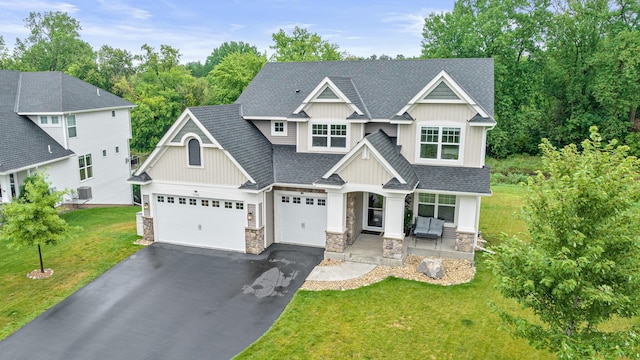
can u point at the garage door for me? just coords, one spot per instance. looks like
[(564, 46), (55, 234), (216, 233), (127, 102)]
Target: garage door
[(301, 219), (211, 223)]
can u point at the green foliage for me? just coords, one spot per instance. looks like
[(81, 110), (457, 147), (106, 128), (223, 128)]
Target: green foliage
[(33, 219), (580, 267), (303, 46), (231, 76), (53, 44)]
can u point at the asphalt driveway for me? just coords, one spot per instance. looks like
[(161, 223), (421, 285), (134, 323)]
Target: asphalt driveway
[(169, 302)]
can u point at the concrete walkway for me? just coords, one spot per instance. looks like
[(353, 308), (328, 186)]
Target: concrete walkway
[(344, 271)]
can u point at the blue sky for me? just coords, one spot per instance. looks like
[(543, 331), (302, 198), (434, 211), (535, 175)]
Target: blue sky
[(195, 27)]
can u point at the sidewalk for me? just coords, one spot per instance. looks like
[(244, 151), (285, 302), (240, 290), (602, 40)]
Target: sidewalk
[(344, 271)]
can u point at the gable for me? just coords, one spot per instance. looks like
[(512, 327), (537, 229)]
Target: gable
[(327, 94), (217, 168), (442, 89), (442, 92), (364, 168), (190, 127), (333, 90)]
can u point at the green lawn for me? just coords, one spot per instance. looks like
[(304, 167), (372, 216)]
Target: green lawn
[(106, 238), (402, 319)]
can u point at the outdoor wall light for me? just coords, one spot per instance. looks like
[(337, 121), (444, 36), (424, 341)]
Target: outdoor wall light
[(146, 206), (250, 216)]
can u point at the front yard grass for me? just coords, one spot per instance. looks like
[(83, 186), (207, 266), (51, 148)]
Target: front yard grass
[(106, 238), (402, 319)]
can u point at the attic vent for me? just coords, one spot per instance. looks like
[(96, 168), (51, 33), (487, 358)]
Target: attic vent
[(327, 94), (442, 92), (84, 193)]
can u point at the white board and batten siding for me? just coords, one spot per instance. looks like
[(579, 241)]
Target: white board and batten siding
[(300, 218), (367, 170), (217, 168)]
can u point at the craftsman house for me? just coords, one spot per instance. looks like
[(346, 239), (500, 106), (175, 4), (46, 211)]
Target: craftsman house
[(77, 133), (328, 154)]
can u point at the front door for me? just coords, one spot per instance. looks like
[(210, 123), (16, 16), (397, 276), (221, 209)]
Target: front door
[(374, 215)]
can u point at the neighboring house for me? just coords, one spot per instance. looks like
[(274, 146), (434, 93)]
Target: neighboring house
[(77, 133), (323, 153)]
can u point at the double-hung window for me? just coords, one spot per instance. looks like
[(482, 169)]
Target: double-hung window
[(329, 136), (440, 143), (86, 167), (71, 126), (438, 206)]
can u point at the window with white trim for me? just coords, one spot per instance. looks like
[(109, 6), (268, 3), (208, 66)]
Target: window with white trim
[(278, 128), (228, 205), (54, 120), (44, 120), (329, 136), (71, 126), (440, 143), (193, 202), (439, 206), (194, 153), (86, 167)]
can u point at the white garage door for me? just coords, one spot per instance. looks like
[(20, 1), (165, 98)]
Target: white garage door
[(211, 223), (301, 219)]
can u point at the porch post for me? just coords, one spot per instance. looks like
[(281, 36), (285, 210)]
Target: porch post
[(393, 244), (336, 222)]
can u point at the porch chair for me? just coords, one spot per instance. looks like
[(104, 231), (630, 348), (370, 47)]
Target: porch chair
[(428, 227)]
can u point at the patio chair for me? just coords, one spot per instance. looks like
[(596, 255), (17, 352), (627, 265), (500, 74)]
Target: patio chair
[(428, 227)]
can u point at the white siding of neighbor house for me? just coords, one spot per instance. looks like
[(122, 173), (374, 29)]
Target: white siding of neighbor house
[(97, 131), (364, 171), (217, 168), (265, 128), (438, 114)]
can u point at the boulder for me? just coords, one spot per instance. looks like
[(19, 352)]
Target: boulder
[(432, 268)]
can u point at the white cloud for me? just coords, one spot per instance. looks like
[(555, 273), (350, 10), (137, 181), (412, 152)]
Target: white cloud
[(40, 5), (124, 9), (410, 23), (235, 27)]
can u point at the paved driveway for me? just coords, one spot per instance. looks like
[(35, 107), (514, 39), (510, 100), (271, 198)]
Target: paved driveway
[(169, 302)]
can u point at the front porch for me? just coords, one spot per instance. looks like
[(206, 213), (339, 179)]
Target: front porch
[(368, 249)]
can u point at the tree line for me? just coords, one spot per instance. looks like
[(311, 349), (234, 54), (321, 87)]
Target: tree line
[(561, 66)]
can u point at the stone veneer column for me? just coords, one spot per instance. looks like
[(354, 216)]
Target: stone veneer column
[(254, 240), (351, 217), (394, 248), (464, 241), (336, 242), (147, 228)]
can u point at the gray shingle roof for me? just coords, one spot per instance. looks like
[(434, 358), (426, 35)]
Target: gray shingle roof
[(384, 87), (450, 178), (479, 119), (290, 167), (58, 92), (240, 138), (390, 152), (349, 90), (22, 143)]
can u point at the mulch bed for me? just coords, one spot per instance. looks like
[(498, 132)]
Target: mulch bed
[(37, 274)]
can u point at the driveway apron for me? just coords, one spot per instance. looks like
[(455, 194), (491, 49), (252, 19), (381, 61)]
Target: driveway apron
[(169, 302)]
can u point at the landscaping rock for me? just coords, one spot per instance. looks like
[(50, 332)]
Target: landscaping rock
[(432, 268)]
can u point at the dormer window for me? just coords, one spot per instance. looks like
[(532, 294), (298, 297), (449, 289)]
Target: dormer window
[(329, 136), (194, 153), (440, 143)]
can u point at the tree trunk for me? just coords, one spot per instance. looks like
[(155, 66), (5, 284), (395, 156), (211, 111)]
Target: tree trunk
[(40, 254)]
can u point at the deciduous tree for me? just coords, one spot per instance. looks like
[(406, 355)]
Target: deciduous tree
[(303, 46), (231, 76), (581, 266), (33, 219)]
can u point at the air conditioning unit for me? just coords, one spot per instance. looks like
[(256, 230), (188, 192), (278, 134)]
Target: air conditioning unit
[(84, 193)]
